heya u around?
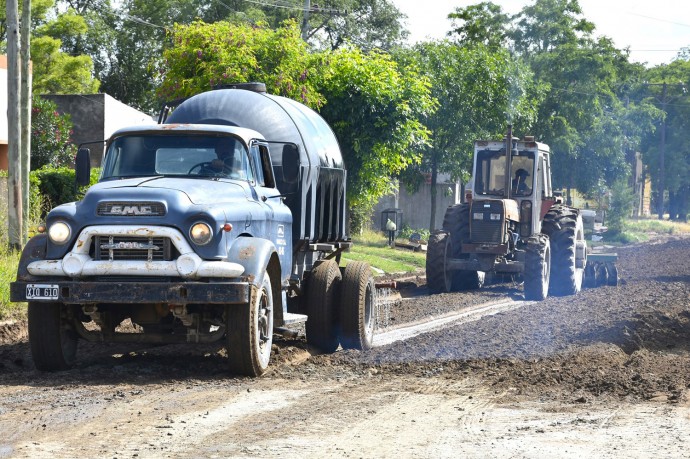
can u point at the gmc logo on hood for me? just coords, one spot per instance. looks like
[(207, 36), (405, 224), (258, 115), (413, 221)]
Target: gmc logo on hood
[(131, 210), (127, 209)]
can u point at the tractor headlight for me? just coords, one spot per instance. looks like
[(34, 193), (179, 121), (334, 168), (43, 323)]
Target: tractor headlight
[(200, 233), (478, 216), (495, 217), (59, 232)]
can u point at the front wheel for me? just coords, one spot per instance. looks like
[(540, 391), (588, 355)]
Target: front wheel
[(537, 268), (358, 298), (250, 332), (52, 338)]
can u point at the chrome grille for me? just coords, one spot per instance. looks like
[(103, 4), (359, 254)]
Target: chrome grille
[(487, 230), (130, 209), (128, 248)]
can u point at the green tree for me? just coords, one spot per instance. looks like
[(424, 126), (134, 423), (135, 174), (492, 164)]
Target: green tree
[(480, 91), (667, 87), (203, 56), (484, 23), (375, 107), (50, 136), (54, 70)]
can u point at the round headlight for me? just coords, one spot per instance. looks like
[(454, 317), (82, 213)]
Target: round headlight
[(200, 233), (59, 232)]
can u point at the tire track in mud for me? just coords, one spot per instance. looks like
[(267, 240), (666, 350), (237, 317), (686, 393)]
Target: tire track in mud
[(467, 315)]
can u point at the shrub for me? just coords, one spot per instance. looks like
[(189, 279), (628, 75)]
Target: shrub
[(50, 136), (52, 186), (620, 206)]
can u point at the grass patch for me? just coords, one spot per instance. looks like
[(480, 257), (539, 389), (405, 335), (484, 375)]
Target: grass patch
[(8, 272), (372, 247), (641, 230)]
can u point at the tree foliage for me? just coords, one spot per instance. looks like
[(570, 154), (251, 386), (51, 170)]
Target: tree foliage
[(376, 109), (54, 70), (203, 56), (50, 136)]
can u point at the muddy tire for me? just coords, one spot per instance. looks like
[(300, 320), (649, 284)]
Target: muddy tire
[(537, 268), (358, 297), (52, 339), (564, 227), (612, 279), (438, 252), (250, 332), (322, 302), (456, 222)]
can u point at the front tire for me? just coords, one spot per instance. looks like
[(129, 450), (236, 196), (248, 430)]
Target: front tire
[(537, 268), (358, 298), (52, 339), (564, 227), (322, 298), (250, 332), (438, 277)]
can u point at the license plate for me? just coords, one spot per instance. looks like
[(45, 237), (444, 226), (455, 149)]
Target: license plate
[(41, 292)]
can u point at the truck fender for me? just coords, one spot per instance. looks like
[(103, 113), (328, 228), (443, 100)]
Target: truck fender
[(260, 257), (254, 254), (34, 250)]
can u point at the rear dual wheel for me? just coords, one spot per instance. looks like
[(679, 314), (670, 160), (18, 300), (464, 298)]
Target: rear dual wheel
[(358, 302), (341, 307), (322, 306)]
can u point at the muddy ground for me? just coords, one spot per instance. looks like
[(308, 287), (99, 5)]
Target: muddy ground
[(605, 373)]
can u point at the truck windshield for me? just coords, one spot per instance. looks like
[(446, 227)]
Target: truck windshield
[(177, 155), (490, 174)]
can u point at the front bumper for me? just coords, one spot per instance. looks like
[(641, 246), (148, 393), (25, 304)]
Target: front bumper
[(81, 292)]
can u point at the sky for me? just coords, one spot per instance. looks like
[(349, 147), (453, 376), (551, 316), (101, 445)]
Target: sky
[(655, 30)]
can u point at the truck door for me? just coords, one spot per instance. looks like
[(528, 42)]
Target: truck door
[(278, 216)]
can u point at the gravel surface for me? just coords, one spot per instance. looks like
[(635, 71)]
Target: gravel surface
[(605, 371)]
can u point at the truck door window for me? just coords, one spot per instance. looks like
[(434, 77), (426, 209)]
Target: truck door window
[(256, 159)]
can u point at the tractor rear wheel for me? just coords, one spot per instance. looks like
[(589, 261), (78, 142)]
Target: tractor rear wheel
[(537, 268), (322, 301), (564, 227), (456, 222), (438, 252)]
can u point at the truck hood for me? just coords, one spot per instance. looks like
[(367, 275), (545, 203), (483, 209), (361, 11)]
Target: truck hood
[(198, 191)]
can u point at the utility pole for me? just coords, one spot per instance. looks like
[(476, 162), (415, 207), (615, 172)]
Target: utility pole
[(25, 114), (662, 154), (14, 184), (305, 20)]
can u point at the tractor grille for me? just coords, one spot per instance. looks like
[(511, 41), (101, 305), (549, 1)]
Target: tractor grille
[(486, 230), (128, 248), (130, 209)]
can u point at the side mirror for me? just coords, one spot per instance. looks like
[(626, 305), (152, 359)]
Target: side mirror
[(82, 167), (290, 163)]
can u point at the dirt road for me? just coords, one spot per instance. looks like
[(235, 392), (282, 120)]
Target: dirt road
[(602, 374)]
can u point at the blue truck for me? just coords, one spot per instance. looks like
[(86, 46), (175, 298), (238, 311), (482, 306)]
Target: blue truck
[(225, 222)]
